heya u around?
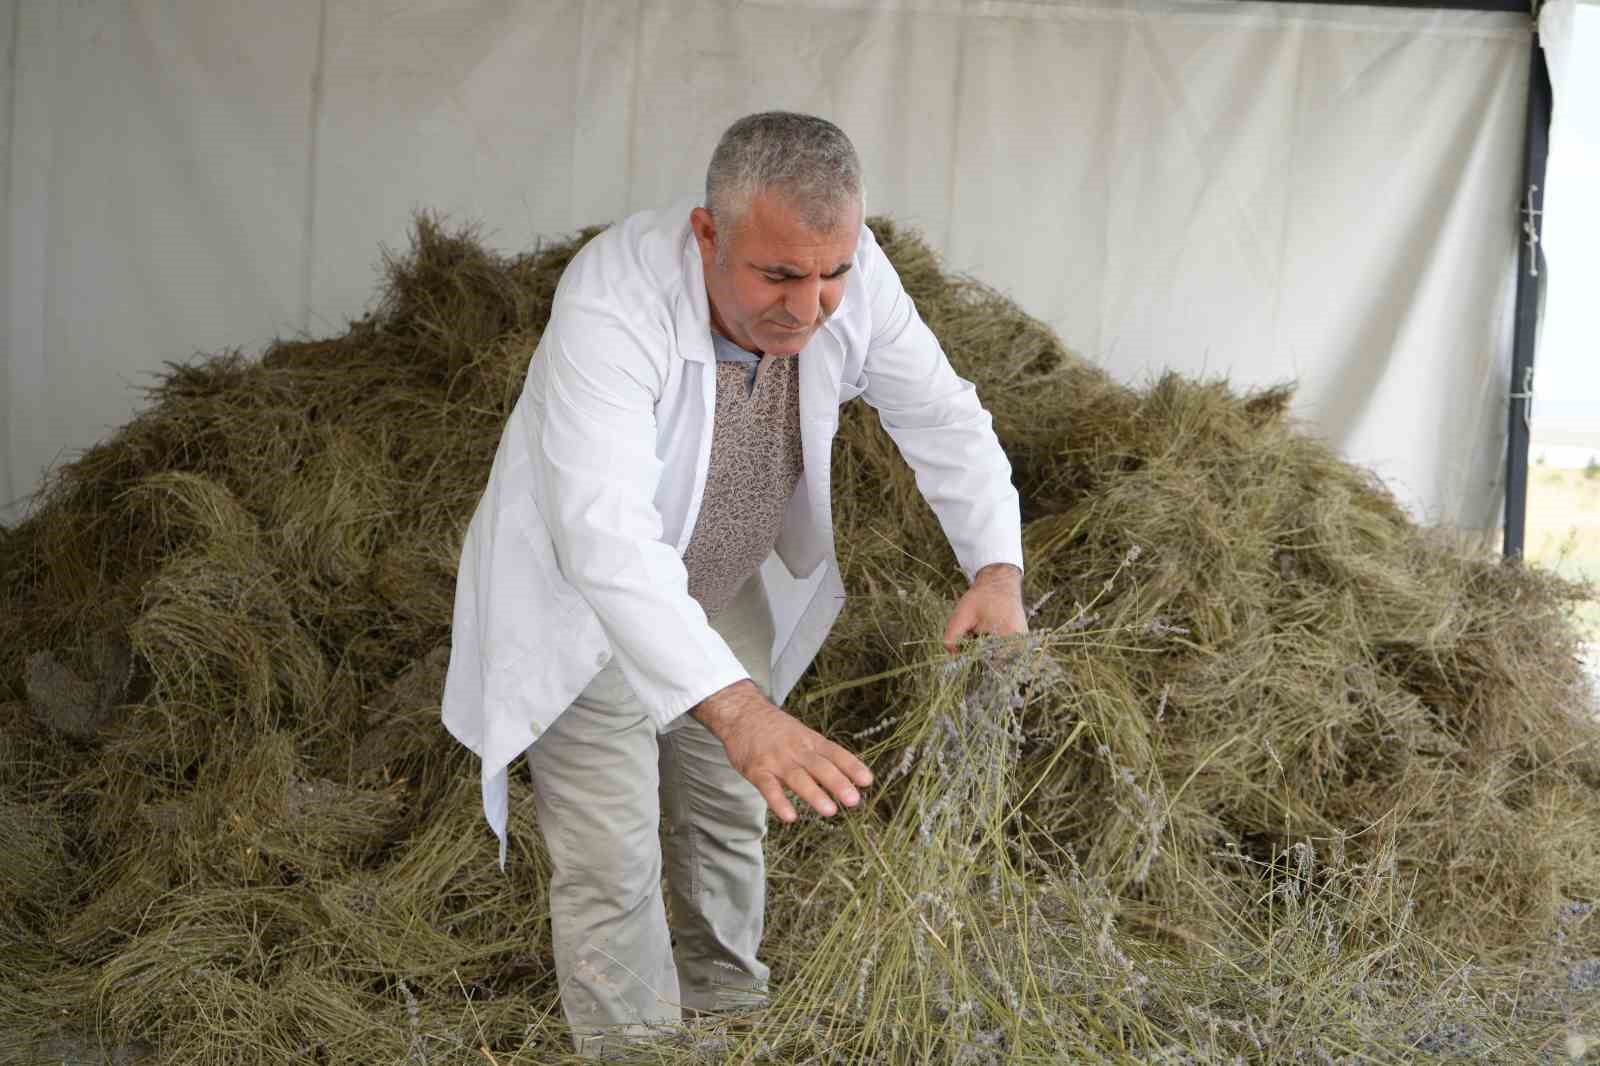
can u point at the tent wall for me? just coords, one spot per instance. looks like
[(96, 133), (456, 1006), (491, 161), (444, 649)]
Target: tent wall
[(1266, 191)]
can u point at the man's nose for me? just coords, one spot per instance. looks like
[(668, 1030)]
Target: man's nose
[(803, 300)]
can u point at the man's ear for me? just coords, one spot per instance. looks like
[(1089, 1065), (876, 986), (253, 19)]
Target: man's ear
[(705, 232)]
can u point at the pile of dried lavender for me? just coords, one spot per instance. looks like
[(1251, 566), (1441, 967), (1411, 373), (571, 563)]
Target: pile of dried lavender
[(1276, 776)]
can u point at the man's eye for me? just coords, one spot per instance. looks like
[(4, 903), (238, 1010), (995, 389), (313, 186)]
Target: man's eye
[(776, 277)]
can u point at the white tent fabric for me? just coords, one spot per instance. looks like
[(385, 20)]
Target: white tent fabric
[(1266, 191)]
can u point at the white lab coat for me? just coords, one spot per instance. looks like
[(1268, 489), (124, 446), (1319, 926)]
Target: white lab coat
[(574, 552)]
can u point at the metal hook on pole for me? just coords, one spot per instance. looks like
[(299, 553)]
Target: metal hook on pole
[(1530, 229)]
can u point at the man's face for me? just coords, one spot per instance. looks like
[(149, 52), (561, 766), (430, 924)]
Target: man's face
[(779, 280)]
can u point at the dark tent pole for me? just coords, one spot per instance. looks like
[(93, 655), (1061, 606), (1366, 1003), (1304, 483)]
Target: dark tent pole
[(1536, 148)]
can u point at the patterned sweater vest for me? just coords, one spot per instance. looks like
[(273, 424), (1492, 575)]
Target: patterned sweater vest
[(755, 464)]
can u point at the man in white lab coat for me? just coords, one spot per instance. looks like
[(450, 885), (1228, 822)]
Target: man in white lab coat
[(651, 566)]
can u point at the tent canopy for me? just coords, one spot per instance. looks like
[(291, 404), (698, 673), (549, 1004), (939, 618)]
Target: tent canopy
[(1268, 191)]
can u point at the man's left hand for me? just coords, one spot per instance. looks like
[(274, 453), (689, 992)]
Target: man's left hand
[(992, 605)]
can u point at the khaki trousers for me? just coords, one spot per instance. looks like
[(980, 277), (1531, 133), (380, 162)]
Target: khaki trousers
[(603, 777)]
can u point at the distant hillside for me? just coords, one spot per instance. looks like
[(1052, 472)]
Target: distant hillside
[(1566, 438)]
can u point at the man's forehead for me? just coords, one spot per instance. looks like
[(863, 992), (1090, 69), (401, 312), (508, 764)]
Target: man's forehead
[(829, 251), (803, 260), (774, 229)]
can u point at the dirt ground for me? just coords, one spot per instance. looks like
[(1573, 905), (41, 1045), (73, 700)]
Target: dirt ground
[(1564, 528)]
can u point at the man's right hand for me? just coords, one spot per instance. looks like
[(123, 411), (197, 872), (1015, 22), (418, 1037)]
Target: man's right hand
[(774, 751)]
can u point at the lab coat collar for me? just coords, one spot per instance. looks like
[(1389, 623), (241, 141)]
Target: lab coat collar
[(694, 308)]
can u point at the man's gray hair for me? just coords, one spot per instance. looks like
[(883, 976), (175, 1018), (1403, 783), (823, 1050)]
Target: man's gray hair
[(807, 159)]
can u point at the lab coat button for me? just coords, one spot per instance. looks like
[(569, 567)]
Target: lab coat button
[(602, 658)]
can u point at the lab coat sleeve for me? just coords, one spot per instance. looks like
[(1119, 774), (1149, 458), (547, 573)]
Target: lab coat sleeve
[(597, 461), (935, 420)]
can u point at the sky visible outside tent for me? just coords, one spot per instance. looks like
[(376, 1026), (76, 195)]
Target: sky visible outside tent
[(1567, 389)]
